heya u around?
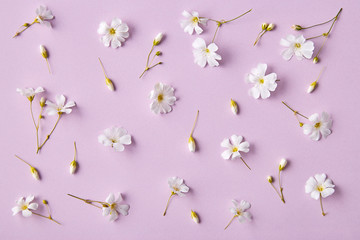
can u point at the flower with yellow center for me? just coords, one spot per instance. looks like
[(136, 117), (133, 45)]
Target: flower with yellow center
[(114, 34), (113, 207), (240, 211), (234, 148), (25, 206), (205, 54), (162, 98), (178, 187), (192, 22), (320, 126), (115, 137), (297, 46), (262, 83)]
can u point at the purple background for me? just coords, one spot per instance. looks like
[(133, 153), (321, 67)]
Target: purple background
[(160, 148)]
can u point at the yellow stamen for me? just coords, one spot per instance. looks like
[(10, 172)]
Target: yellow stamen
[(297, 45), (235, 149), (160, 97), (261, 81), (112, 31), (317, 125)]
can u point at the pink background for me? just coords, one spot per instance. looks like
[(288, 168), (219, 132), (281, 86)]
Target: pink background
[(160, 148)]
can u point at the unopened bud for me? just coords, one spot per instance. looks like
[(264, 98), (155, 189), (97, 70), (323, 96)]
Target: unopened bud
[(301, 124), (34, 173), (158, 39), (315, 60), (160, 62), (270, 27), (44, 52), (42, 102), (195, 217), (158, 53), (312, 87), (45, 202), (191, 144), (109, 84), (234, 107), (270, 179), (26, 25), (73, 167), (296, 27), (282, 164), (264, 26)]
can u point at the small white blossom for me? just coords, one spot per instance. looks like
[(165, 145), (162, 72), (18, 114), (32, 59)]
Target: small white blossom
[(240, 210), (115, 137), (234, 147), (319, 186), (282, 164), (113, 207), (60, 107), (205, 54), (178, 186), (73, 167), (43, 15), (162, 98), (25, 206), (115, 34), (191, 144), (158, 39), (234, 107), (195, 217), (29, 92), (192, 22), (312, 86), (263, 84), (320, 125), (298, 46)]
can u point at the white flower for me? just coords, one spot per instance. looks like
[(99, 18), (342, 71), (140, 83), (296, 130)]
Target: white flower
[(43, 15), (319, 185), (282, 164), (158, 39), (30, 92), (115, 33), (162, 97), (263, 84), (116, 137), (298, 46), (25, 206), (192, 22), (113, 207), (234, 107), (319, 124), (60, 107), (235, 147), (178, 186), (239, 210), (203, 54)]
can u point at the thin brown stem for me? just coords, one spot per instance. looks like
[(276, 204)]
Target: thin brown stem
[(38, 126), (217, 29), (230, 221), (237, 17), (319, 24), (167, 204), (48, 65), (281, 189), (276, 190), (88, 201), (295, 112), (192, 130), (321, 205), (154, 65), (102, 67), (259, 36), (245, 163), (25, 27), (48, 136), (322, 70), (50, 218), (321, 47), (24, 161), (75, 150), (32, 114), (148, 57)]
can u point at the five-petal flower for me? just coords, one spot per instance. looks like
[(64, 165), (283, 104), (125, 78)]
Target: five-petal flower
[(240, 211), (298, 46), (234, 147), (115, 34), (162, 98), (320, 125), (116, 137), (43, 15), (205, 54), (319, 186), (113, 207), (263, 84), (192, 22), (60, 107), (30, 92), (178, 186), (25, 206)]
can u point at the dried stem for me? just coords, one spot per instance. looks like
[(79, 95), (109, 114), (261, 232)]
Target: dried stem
[(48, 136), (192, 130), (167, 204), (230, 221), (245, 163)]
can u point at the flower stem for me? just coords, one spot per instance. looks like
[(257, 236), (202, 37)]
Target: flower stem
[(25, 27), (321, 205), (192, 130), (50, 218), (230, 221), (147, 61), (167, 204), (319, 24), (24, 161), (321, 47), (281, 189), (102, 67), (259, 36), (245, 163), (295, 112), (48, 65), (237, 17), (276, 190), (32, 114), (37, 127), (217, 28), (154, 66), (90, 202), (48, 136)]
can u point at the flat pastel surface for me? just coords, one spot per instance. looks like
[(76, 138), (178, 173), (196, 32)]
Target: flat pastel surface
[(159, 148)]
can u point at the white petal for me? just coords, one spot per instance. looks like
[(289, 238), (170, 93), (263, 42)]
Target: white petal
[(26, 213), (124, 209), (33, 206), (226, 154), (60, 100), (236, 140), (254, 92), (327, 192), (244, 147), (105, 211), (328, 183), (320, 178), (244, 205), (29, 198), (310, 185), (103, 28), (226, 143), (126, 139), (118, 147), (16, 210), (315, 194), (307, 129), (287, 53), (110, 199), (199, 43)]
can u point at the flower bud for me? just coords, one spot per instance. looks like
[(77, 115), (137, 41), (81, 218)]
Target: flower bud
[(270, 179), (109, 84), (191, 144), (44, 52), (315, 60), (264, 26), (34, 173), (312, 87), (42, 102), (158, 53), (26, 24), (73, 167), (234, 107), (282, 164), (195, 217), (45, 202), (270, 27), (301, 124), (158, 39), (296, 27)]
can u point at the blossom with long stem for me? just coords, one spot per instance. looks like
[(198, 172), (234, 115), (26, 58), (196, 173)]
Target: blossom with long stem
[(313, 85), (296, 113), (59, 108), (319, 187), (325, 35), (240, 211), (191, 142), (108, 82), (43, 15), (149, 64), (265, 27), (178, 187), (33, 170), (111, 206), (27, 208), (74, 163)]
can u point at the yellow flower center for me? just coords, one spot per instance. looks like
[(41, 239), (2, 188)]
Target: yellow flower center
[(320, 188), (297, 45), (176, 189), (235, 149), (317, 125), (113, 206), (261, 81), (160, 97), (112, 31), (238, 212), (207, 50), (24, 207), (195, 19)]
